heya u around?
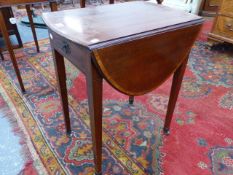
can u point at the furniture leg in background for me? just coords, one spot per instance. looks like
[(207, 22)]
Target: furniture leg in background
[(30, 17), (1, 55), (83, 3), (53, 6), (131, 100), (18, 37), (15, 29), (5, 34), (11, 28), (3, 29)]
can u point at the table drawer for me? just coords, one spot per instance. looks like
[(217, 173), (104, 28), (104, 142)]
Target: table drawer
[(224, 27), (227, 7), (214, 2)]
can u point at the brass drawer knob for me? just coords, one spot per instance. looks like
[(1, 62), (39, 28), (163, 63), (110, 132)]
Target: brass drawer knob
[(229, 26)]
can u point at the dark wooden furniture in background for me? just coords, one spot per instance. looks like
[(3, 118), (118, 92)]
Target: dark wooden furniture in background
[(11, 28), (210, 7), (83, 3), (130, 45), (4, 30), (222, 30), (30, 17)]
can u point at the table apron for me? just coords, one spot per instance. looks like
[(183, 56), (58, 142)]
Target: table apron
[(76, 54)]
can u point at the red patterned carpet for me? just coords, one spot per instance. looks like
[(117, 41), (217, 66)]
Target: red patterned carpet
[(201, 140)]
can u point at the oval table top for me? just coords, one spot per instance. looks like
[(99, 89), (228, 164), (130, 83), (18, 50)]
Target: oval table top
[(101, 24)]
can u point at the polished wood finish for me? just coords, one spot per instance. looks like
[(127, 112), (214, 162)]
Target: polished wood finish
[(135, 77), (94, 27), (3, 29), (222, 30), (135, 52), (210, 7), (227, 8)]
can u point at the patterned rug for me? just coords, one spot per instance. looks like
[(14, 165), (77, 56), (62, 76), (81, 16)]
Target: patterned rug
[(201, 140)]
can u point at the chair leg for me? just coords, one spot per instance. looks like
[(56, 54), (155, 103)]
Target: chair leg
[(131, 100), (1, 55), (15, 28), (18, 38), (176, 84), (29, 13), (10, 49)]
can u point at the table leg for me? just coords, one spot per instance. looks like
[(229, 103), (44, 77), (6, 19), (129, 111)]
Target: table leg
[(53, 6), (131, 100), (1, 55), (29, 13), (95, 88), (61, 79), (18, 37), (176, 84), (5, 34)]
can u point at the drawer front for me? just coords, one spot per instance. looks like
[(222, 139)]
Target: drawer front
[(214, 2), (227, 7), (224, 27)]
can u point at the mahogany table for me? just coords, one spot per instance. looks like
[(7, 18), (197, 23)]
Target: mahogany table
[(3, 29), (134, 46)]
